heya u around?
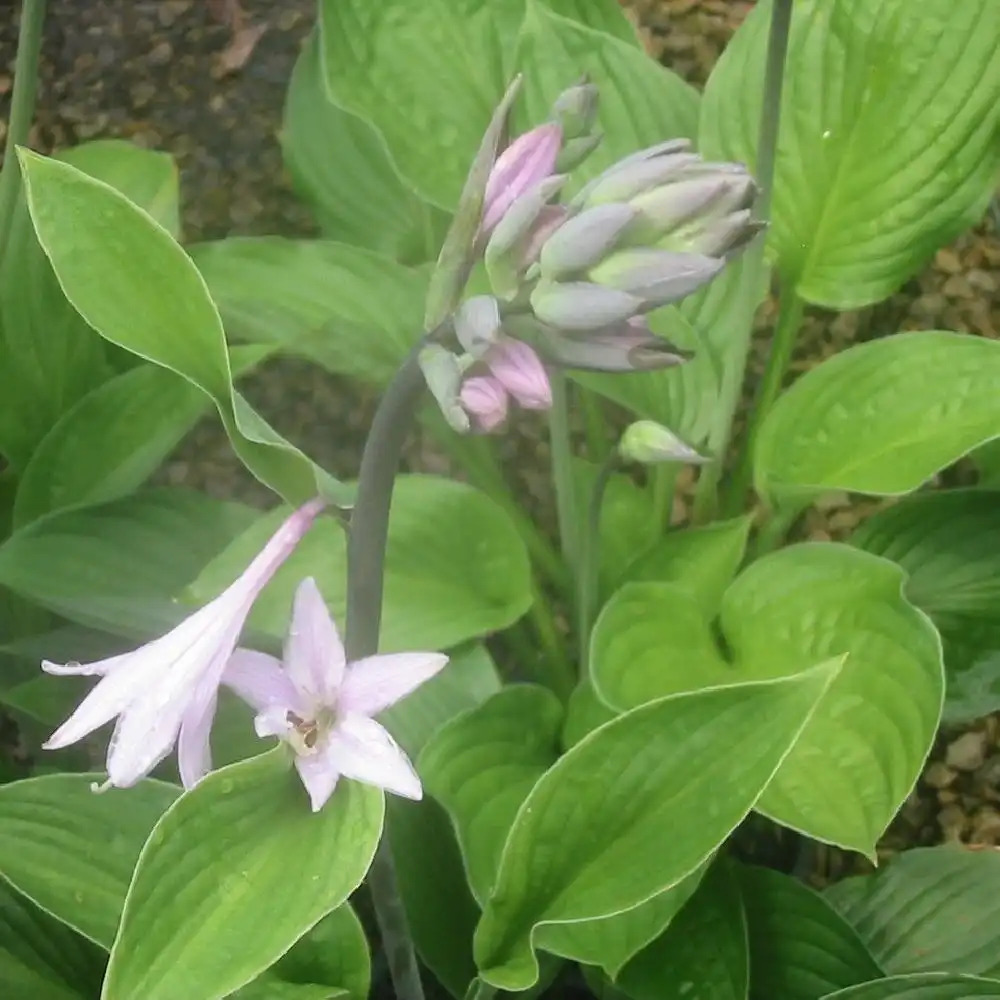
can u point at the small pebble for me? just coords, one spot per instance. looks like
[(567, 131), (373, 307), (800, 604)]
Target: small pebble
[(968, 752), (939, 775)]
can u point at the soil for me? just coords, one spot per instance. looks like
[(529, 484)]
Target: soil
[(184, 76)]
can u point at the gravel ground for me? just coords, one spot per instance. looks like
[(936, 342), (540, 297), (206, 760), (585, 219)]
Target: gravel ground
[(162, 73)]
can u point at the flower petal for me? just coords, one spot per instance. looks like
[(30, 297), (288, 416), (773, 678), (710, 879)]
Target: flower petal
[(484, 398), (361, 749), (314, 654), (261, 682), (520, 371), (376, 682), (194, 750), (319, 778)]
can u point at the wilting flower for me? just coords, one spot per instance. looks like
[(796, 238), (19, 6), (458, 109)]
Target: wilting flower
[(648, 442), (324, 707), (164, 692), (529, 159)]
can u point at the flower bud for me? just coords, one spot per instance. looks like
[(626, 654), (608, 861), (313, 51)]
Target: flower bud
[(655, 277), (477, 324), (627, 347), (575, 109), (626, 180), (575, 151), (485, 399), (520, 371), (443, 373), (530, 158), (648, 442), (582, 305), (584, 240)]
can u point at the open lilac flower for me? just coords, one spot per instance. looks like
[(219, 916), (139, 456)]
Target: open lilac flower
[(164, 692), (324, 707)]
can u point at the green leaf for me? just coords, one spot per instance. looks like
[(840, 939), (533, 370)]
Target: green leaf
[(241, 843), (481, 767), (972, 668), (695, 763), (881, 417), (926, 986), (73, 852), (584, 713), (800, 949), (456, 568), (888, 136), (376, 63), (340, 166), (113, 439), (701, 560), (119, 566), (651, 640), (132, 283), (42, 958), (268, 988), (949, 544), (51, 357), (703, 953), (864, 747), (350, 310), (930, 910)]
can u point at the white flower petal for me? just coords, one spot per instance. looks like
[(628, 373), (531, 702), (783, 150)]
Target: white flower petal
[(314, 654), (359, 748), (194, 750), (376, 682), (262, 682), (273, 721), (319, 778)]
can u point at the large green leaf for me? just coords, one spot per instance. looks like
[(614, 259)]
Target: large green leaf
[(41, 958), (925, 986), (132, 283), (588, 840), (375, 60), (120, 566), (481, 767), (703, 953), (114, 438), (930, 910), (243, 842), (888, 135), (651, 640), (351, 310), (701, 560), (51, 358), (863, 748), (340, 165), (949, 544), (800, 949), (456, 568), (73, 852), (881, 417)]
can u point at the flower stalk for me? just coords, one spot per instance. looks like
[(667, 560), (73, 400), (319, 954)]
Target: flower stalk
[(753, 274), (22, 109)]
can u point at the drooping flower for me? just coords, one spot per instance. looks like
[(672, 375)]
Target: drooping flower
[(164, 692), (324, 708)]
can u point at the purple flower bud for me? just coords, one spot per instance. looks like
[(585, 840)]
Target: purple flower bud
[(628, 347), (520, 371), (655, 277), (582, 305), (584, 240), (530, 158), (485, 400)]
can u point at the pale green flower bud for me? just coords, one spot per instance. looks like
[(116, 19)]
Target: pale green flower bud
[(477, 324), (582, 305), (648, 442), (443, 372), (576, 109), (584, 240)]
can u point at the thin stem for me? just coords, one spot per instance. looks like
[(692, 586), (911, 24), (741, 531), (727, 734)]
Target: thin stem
[(772, 534), (590, 548), (366, 543), (664, 476), (753, 266), (554, 667), (22, 109), (594, 424), (786, 332), (562, 469)]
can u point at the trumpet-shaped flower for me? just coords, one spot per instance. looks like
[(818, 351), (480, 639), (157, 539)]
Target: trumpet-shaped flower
[(324, 707), (164, 692)]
